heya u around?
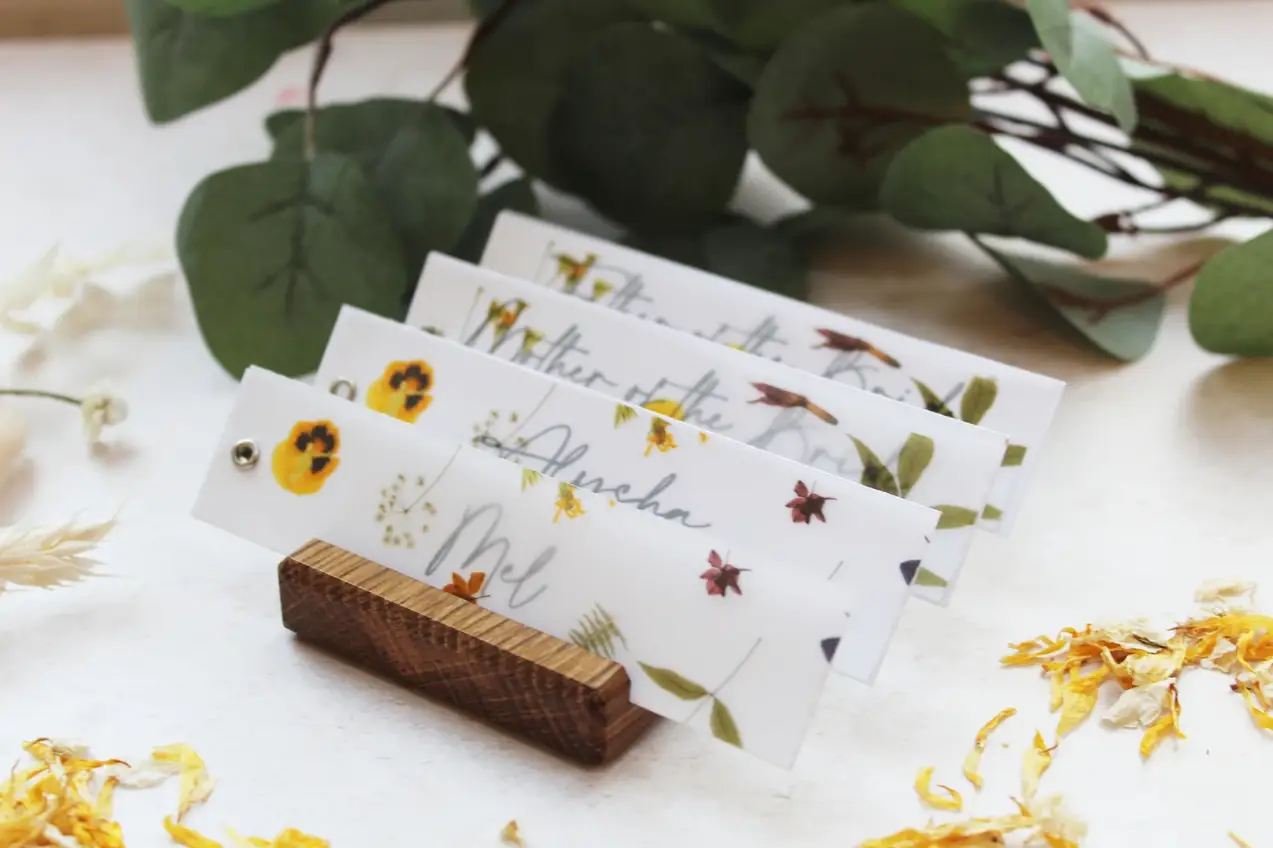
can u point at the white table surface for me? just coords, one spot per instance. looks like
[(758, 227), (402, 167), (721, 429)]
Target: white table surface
[(1157, 476)]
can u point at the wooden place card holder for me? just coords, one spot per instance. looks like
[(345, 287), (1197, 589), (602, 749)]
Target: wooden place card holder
[(532, 684)]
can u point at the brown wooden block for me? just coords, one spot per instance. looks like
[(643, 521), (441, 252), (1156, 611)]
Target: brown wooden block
[(527, 682)]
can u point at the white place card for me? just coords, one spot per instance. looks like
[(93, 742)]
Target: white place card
[(825, 529), (724, 642), (830, 427), (1018, 403)]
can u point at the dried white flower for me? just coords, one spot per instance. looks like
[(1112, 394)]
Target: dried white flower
[(99, 409), (46, 559), (1152, 668), (1228, 592), (1223, 656), (1127, 632), (1138, 707), (1054, 819)]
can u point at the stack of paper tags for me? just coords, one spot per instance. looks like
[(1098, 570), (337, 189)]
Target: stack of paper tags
[(728, 492)]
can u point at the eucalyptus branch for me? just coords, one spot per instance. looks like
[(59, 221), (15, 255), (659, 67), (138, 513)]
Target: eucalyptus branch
[(483, 31), (322, 55), (1099, 308)]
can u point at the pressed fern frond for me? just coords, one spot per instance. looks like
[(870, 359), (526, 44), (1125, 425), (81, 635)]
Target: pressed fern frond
[(48, 558), (597, 632)]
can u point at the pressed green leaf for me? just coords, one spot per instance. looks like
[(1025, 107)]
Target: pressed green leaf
[(955, 516), (723, 726), (738, 249), (957, 178), (514, 77), (1120, 316), (875, 473), (847, 90), (983, 36), (651, 130), (978, 398), (188, 61), (220, 8), (1231, 309), (762, 25), (1081, 51), (1014, 456), (414, 158), (530, 477), (670, 681), (272, 250), (517, 194), (924, 577), (916, 454), (932, 401), (991, 513)]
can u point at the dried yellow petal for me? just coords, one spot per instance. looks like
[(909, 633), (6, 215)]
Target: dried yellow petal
[(290, 838), (1078, 698), (1260, 717), (952, 801), (1037, 759), (1237, 840), (183, 835), (972, 762), (510, 835), (1169, 721), (196, 783)]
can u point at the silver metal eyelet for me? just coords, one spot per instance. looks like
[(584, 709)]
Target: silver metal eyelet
[(245, 453)]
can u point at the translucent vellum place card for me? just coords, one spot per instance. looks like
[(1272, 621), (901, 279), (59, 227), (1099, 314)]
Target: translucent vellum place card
[(950, 382), (832, 428), (826, 530), (726, 643)]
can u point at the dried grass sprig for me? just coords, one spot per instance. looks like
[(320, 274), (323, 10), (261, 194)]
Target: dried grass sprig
[(49, 558)]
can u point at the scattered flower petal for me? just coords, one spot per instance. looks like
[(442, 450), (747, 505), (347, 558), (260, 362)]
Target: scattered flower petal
[(952, 801), (183, 835), (1237, 840), (972, 762), (1139, 706), (510, 835), (1225, 591), (196, 783), (1037, 759)]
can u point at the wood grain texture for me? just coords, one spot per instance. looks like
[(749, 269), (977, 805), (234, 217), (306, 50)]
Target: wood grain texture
[(530, 683)]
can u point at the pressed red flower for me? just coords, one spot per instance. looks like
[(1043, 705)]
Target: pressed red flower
[(722, 576), (806, 505)]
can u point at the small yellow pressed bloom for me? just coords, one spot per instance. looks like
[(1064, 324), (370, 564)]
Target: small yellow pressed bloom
[(403, 390), (600, 288), (510, 835), (702, 437), (567, 503), (659, 437), (574, 270), (307, 457), (530, 338)]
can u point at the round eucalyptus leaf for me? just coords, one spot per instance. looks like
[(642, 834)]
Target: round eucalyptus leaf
[(698, 15), (220, 8), (272, 250), (957, 178), (1120, 316), (1080, 48), (517, 194), (763, 24), (279, 123), (187, 61), (846, 91), (414, 158), (651, 130), (1231, 309), (515, 75), (983, 36)]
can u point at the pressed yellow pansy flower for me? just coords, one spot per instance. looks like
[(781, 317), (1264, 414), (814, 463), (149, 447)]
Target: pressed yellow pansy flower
[(307, 457), (952, 800), (403, 390), (567, 503), (659, 437), (972, 762)]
